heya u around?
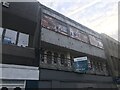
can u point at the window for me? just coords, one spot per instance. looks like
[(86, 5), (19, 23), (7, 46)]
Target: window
[(49, 57), (62, 58), (1, 31), (42, 55), (10, 37), (55, 57), (23, 40)]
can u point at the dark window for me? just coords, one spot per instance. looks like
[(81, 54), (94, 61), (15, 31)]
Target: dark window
[(49, 57), (62, 58), (55, 57), (42, 55)]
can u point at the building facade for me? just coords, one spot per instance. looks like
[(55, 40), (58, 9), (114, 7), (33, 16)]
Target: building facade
[(39, 46), (112, 50)]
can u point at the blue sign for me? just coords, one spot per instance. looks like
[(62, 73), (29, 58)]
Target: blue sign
[(81, 64)]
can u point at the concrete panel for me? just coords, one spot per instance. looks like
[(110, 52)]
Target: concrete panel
[(18, 72), (70, 43)]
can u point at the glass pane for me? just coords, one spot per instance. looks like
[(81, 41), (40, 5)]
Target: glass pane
[(10, 37), (1, 31), (23, 40)]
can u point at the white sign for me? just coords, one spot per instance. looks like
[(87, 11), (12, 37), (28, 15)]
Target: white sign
[(80, 59)]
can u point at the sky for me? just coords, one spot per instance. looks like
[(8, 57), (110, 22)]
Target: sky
[(98, 15)]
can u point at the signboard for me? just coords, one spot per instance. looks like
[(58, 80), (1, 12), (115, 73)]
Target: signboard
[(48, 22), (51, 24), (77, 34), (81, 64), (95, 41)]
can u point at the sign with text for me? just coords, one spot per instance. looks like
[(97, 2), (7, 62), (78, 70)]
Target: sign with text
[(81, 64)]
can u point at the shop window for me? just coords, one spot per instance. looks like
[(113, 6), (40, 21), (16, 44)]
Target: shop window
[(62, 58), (49, 57), (55, 57), (10, 37), (23, 40)]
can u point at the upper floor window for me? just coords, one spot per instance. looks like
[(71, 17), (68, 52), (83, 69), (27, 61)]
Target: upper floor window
[(10, 37), (49, 57), (55, 57), (1, 32), (23, 40), (62, 58)]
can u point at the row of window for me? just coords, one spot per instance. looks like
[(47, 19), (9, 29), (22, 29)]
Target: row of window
[(98, 66), (14, 37), (53, 24), (54, 58)]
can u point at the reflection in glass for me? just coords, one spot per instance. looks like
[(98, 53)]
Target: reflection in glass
[(10, 37)]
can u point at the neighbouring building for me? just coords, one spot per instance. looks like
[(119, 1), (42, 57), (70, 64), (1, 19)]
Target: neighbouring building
[(39, 46), (112, 51)]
